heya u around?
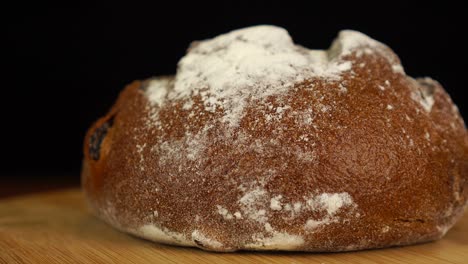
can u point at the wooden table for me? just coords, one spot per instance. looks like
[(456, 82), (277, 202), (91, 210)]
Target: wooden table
[(56, 227)]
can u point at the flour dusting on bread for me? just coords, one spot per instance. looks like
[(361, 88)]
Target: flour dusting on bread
[(248, 65)]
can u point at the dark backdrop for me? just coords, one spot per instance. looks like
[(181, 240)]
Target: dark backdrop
[(66, 64)]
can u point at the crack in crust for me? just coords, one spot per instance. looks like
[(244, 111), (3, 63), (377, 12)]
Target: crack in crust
[(95, 140)]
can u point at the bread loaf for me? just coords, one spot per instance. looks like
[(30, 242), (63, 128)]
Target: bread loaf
[(260, 144)]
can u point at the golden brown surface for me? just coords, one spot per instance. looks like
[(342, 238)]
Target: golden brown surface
[(414, 185), (57, 227), (371, 159)]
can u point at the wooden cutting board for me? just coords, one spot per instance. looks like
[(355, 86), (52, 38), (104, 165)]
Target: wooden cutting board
[(56, 227)]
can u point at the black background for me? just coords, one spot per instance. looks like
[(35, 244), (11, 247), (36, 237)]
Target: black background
[(66, 64)]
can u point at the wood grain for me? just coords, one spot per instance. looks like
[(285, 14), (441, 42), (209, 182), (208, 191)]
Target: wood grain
[(56, 227)]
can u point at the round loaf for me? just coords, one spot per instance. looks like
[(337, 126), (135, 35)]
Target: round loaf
[(260, 144)]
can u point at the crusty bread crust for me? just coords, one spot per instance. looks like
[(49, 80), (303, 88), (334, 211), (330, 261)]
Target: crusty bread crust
[(375, 159)]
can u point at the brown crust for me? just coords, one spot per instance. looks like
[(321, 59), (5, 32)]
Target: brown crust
[(406, 169)]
